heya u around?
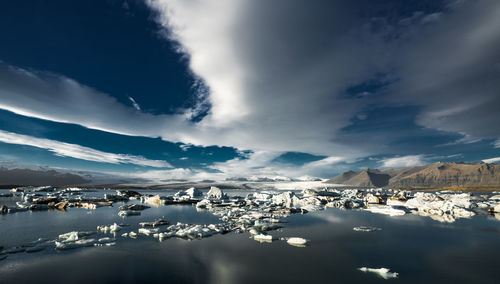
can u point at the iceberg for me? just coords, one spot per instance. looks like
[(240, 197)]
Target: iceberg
[(382, 272)]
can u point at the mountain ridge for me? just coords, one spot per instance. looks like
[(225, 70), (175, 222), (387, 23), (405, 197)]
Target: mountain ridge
[(436, 175)]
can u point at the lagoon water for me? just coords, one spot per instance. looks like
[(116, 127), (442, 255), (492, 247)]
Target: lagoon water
[(420, 249)]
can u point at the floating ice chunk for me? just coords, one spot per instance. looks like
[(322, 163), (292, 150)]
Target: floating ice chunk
[(73, 236), (156, 223), (365, 229), (106, 240), (385, 209), (203, 204), (496, 208), (263, 238), (253, 231), (382, 272), (109, 229), (495, 197), (134, 207), (166, 235), (75, 244), (215, 193), (147, 232), (298, 242), (284, 199), (194, 231), (154, 200), (62, 205), (373, 199), (127, 213), (23, 204), (193, 192), (261, 196)]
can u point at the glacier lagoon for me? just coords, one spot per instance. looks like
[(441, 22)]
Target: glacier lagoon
[(417, 248)]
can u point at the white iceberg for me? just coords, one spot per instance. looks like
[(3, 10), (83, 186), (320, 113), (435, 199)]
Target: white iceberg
[(382, 272), (299, 242)]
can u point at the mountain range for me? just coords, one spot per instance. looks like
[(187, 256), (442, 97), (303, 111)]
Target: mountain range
[(436, 175)]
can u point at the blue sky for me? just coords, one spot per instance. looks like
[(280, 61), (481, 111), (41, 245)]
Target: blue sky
[(218, 89)]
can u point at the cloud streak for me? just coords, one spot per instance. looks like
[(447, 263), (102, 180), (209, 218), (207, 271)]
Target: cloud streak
[(403, 162), (79, 152), (492, 160), (134, 103)]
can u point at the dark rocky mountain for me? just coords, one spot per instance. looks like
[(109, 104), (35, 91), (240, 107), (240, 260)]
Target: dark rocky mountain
[(435, 175), (38, 177)]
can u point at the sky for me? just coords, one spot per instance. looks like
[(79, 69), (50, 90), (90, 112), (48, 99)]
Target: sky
[(221, 89)]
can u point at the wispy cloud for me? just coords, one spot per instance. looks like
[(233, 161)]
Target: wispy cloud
[(78, 151), (403, 162), (492, 160), (134, 103), (496, 144)]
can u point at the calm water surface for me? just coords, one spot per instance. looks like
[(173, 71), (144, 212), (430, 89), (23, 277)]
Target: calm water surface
[(418, 248)]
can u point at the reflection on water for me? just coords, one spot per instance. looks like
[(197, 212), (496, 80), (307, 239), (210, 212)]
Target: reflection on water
[(418, 248)]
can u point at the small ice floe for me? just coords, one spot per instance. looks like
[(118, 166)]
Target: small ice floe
[(193, 232), (75, 244), (109, 229), (193, 192), (373, 199), (73, 240), (62, 205), (386, 210), (105, 242), (153, 200), (496, 208), (23, 204), (148, 232), (127, 213), (75, 235), (134, 207), (128, 193), (263, 238), (382, 272), (130, 234), (366, 229), (495, 197), (215, 193), (297, 242), (154, 224)]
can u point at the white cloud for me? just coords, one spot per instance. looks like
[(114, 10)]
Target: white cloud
[(57, 98), (492, 160), (325, 162), (277, 78), (496, 144), (264, 95), (403, 162), (79, 152), (451, 71), (134, 103)]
